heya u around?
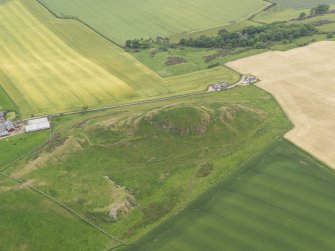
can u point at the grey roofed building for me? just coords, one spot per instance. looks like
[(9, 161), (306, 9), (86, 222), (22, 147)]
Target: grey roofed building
[(35, 125), (2, 117), (9, 126), (3, 131), (220, 87), (249, 79)]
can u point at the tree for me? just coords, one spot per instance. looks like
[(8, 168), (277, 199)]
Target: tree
[(319, 10), (330, 35), (322, 9), (302, 15), (128, 44), (135, 44)]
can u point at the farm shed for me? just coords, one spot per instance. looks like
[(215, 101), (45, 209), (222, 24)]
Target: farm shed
[(220, 87), (35, 125), (249, 79), (2, 117), (9, 126), (3, 131)]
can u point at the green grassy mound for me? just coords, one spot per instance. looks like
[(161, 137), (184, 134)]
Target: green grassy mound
[(281, 200), (128, 169)]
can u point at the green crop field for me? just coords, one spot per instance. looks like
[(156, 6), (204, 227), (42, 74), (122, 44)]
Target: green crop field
[(278, 13), (128, 169), (298, 4), (282, 200), (126, 19)]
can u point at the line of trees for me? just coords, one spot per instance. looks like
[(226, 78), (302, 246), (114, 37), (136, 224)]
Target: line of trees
[(145, 43), (252, 36), (137, 44), (316, 11)]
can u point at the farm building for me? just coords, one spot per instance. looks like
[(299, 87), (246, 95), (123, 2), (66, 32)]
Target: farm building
[(220, 87), (3, 131), (2, 117), (6, 126), (249, 79), (35, 125), (9, 126)]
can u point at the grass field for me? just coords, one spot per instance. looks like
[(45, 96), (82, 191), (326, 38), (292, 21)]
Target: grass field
[(30, 222), (200, 80), (298, 4), (125, 19), (128, 169), (15, 147), (282, 200), (303, 91)]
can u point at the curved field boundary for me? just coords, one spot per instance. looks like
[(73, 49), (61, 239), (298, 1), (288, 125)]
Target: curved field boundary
[(79, 20), (302, 81)]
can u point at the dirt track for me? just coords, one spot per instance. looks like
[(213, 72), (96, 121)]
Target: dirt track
[(303, 82)]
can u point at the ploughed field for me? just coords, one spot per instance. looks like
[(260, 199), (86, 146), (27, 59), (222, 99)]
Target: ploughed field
[(282, 200), (128, 169), (302, 80), (120, 20)]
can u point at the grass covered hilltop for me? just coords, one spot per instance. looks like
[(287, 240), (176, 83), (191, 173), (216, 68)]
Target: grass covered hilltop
[(128, 169)]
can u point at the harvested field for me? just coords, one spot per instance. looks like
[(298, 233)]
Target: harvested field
[(302, 80)]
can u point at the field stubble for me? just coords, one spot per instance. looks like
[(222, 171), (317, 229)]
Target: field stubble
[(302, 82)]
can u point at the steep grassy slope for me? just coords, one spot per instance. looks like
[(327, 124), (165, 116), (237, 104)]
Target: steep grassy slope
[(126, 19), (32, 222), (128, 169), (282, 200), (14, 147)]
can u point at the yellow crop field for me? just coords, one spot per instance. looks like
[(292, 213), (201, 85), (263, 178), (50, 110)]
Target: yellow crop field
[(50, 65), (43, 74), (302, 80)]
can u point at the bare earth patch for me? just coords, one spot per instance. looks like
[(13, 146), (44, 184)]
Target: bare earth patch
[(70, 146), (303, 82)]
